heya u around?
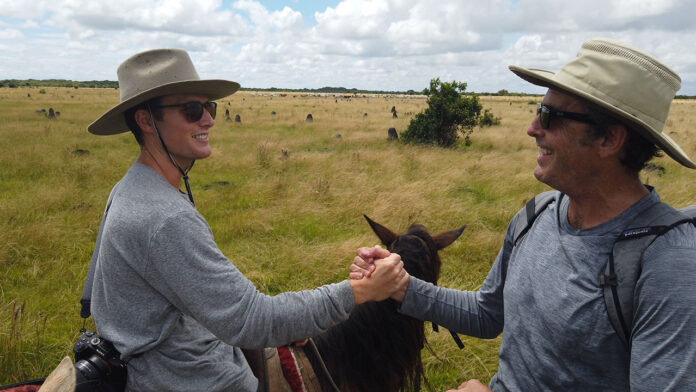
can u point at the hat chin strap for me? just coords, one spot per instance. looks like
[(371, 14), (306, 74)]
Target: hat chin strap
[(184, 174)]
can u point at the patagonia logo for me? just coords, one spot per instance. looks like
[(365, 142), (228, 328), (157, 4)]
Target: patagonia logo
[(636, 232)]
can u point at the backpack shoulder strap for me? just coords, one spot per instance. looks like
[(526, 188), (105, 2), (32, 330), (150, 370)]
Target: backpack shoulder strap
[(624, 266), (529, 213)]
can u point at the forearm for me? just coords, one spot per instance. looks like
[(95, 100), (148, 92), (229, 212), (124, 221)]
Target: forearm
[(460, 311), (198, 280), (274, 321)]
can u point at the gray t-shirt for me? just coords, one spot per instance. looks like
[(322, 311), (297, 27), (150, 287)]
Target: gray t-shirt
[(544, 296), (176, 308)]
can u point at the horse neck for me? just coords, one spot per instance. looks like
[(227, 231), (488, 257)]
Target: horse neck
[(376, 349)]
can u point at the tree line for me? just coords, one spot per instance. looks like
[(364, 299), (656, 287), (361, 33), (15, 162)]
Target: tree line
[(14, 83)]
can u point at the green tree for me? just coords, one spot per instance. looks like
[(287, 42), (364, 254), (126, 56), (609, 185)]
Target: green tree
[(448, 113)]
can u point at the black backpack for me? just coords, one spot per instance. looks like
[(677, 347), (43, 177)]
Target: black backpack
[(623, 267)]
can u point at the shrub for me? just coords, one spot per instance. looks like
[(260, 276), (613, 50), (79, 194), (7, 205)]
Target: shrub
[(448, 113), (488, 119)]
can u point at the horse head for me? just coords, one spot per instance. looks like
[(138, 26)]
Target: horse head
[(417, 248)]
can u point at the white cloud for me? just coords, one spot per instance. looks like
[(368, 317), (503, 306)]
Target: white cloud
[(357, 19), (10, 34), (283, 20), (641, 8), (25, 9), (378, 44), (599, 15), (408, 27), (198, 18)]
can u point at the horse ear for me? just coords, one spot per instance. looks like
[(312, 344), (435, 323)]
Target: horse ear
[(385, 235), (444, 239)]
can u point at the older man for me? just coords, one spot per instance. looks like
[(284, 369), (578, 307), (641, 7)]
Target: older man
[(600, 122), (173, 305)]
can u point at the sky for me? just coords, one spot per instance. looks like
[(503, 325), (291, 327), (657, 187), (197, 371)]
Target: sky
[(390, 45)]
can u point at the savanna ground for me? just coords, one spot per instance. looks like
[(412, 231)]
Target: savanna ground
[(287, 221)]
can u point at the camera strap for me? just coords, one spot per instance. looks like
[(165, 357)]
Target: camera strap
[(86, 299)]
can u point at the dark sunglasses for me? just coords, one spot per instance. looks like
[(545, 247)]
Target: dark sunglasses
[(545, 113), (194, 109)]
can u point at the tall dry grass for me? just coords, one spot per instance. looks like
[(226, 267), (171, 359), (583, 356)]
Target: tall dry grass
[(284, 198)]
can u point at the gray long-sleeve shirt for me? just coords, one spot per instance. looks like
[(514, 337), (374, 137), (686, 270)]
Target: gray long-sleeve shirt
[(176, 308), (544, 296)]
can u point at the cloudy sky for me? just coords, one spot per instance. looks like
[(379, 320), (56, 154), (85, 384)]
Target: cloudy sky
[(392, 45)]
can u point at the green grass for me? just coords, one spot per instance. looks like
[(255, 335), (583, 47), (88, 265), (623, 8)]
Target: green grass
[(288, 221)]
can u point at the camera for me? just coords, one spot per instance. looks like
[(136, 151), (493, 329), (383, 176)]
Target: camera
[(98, 365)]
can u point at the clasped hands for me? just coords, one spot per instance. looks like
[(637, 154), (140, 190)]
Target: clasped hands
[(377, 274)]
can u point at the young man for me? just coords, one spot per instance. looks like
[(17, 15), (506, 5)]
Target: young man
[(173, 305), (600, 122)]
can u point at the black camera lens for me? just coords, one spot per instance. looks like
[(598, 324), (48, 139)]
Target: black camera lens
[(89, 372)]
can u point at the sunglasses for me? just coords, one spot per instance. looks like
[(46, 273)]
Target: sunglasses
[(194, 110), (545, 113)]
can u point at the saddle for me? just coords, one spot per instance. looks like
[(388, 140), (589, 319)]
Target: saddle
[(283, 369)]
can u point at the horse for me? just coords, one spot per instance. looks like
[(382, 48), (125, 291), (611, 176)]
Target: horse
[(378, 349)]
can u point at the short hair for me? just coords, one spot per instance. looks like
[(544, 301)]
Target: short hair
[(133, 125), (637, 151)]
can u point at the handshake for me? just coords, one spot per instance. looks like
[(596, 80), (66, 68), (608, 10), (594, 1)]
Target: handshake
[(376, 274)]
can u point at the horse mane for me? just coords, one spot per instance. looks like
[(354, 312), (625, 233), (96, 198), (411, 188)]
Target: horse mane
[(378, 349)]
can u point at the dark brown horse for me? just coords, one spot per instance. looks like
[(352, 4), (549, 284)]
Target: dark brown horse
[(378, 349)]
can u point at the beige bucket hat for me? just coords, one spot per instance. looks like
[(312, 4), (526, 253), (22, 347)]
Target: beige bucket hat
[(152, 74), (628, 83)]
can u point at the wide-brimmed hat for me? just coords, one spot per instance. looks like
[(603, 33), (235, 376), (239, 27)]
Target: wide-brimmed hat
[(629, 84), (152, 74)]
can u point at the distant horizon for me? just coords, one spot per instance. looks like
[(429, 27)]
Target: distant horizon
[(325, 89), (328, 89)]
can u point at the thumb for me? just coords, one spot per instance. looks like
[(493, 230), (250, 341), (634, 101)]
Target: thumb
[(379, 252), (370, 254)]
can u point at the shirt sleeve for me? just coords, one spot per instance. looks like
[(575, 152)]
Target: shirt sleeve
[(663, 349), (186, 266)]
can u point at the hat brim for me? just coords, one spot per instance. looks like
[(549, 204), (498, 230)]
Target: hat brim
[(113, 122), (544, 78)]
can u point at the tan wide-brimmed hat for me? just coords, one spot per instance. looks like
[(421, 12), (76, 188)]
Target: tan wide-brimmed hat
[(152, 74), (629, 84)]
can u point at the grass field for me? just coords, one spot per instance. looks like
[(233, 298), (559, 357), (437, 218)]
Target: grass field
[(288, 221)]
